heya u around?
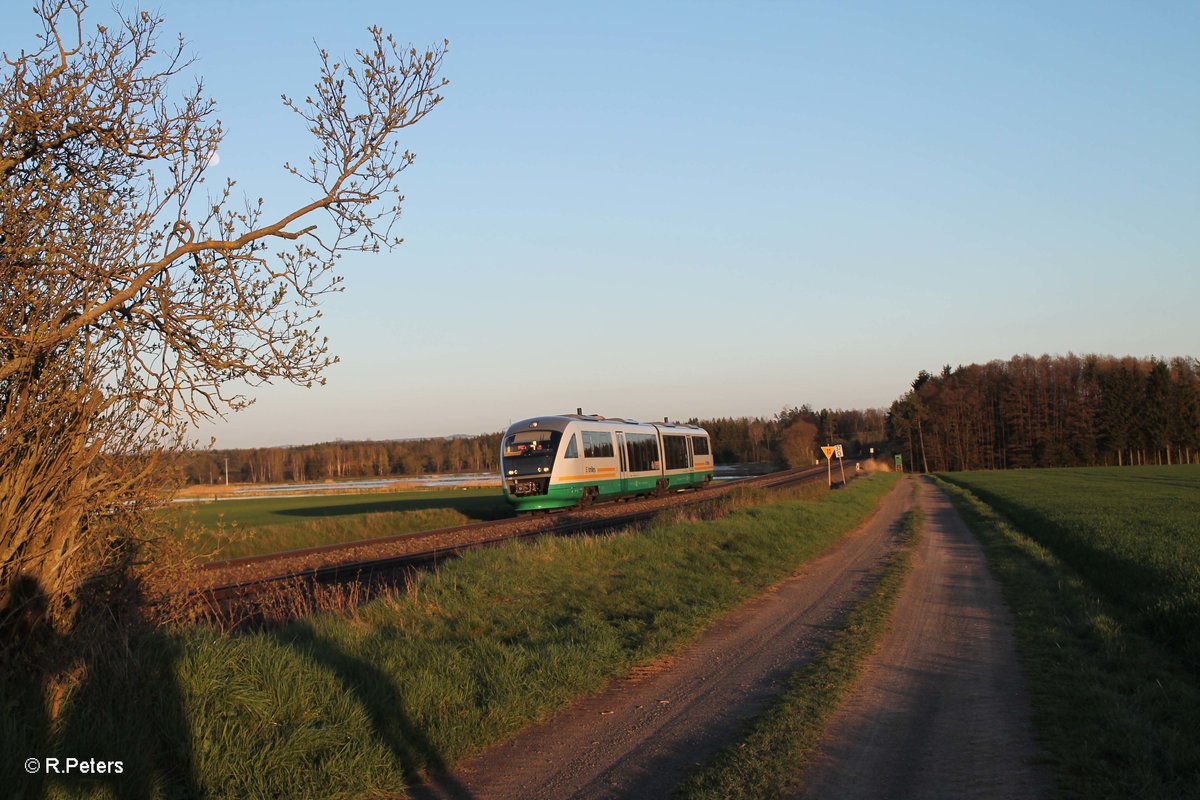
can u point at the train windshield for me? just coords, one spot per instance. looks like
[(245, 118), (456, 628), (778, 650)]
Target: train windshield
[(531, 443)]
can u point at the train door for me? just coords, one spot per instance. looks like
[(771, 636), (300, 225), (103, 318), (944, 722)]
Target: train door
[(693, 478), (621, 452)]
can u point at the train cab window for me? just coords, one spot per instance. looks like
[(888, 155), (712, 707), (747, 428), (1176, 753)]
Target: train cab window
[(676, 450), (597, 444), (572, 448), (531, 443), (700, 445)]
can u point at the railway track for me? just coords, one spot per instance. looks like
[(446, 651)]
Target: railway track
[(223, 584)]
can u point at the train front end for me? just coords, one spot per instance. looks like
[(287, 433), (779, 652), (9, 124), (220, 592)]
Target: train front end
[(528, 454)]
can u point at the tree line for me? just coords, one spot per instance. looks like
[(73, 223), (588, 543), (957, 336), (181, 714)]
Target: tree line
[(793, 436), (1051, 411), (344, 459)]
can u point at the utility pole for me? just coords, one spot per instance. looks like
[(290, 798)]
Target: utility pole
[(226, 470)]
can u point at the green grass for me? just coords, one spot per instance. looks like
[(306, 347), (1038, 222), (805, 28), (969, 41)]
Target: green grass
[(475, 503), (1116, 710), (1133, 534), (769, 754), (238, 542), (362, 705), (235, 528)]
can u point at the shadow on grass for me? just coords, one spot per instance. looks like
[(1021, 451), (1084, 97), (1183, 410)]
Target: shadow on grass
[(376, 692), (483, 508), (125, 717)]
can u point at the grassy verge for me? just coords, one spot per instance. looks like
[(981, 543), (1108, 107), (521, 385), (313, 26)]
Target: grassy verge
[(767, 757), (365, 703), (1116, 711)]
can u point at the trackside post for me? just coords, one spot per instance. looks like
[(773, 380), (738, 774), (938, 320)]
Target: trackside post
[(828, 450)]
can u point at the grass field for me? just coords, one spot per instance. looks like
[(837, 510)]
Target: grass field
[(1133, 533), (363, 704), (234, 528), (476, 504), (1099, 568)]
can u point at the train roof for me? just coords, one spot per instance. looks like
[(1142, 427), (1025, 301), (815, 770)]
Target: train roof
[(559, 422)]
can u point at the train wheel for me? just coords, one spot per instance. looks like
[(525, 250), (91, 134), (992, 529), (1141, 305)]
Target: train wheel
[(662, 488), (589, 496)]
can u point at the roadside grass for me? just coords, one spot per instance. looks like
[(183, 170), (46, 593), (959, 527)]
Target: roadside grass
[(236, 528), (1132, 533), (370, 701), (767, 757), (1117, 712)]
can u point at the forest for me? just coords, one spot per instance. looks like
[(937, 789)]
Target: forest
[(345, 459), (1051, 411), (1045, 411)]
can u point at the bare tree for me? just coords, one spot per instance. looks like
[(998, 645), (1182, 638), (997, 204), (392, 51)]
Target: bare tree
[(132, 298), (797, 441)]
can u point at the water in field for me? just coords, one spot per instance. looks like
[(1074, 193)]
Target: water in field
[(463, 480), (730, 472), (424, 481)]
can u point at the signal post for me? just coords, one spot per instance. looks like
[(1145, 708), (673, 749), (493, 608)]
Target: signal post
[(830, 451)]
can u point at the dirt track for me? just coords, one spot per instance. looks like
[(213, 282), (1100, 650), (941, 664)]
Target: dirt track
[(942, 710), (640, 736)]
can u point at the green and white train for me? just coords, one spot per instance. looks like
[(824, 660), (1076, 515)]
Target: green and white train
[(577, 459)]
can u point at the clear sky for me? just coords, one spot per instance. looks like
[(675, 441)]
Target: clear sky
[(685, 209)]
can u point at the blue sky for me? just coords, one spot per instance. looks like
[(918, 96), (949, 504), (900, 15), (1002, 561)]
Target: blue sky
[(706, 209)]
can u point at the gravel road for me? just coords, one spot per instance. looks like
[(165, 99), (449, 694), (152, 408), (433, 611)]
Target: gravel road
[(640, 735), (942, 709)]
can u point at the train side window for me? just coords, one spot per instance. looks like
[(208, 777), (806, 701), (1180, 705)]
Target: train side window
[(700, 445), (676, 451), (572, 449), (597, 444), (643, 451)]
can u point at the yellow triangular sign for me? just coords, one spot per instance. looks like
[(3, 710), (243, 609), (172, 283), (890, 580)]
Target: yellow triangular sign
[(828, 451)]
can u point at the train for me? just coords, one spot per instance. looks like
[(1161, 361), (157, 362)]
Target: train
[(569, 460)]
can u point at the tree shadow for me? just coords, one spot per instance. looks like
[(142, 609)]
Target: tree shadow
[(376, 692), (24, 718), (480, 507), (104, 693)]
